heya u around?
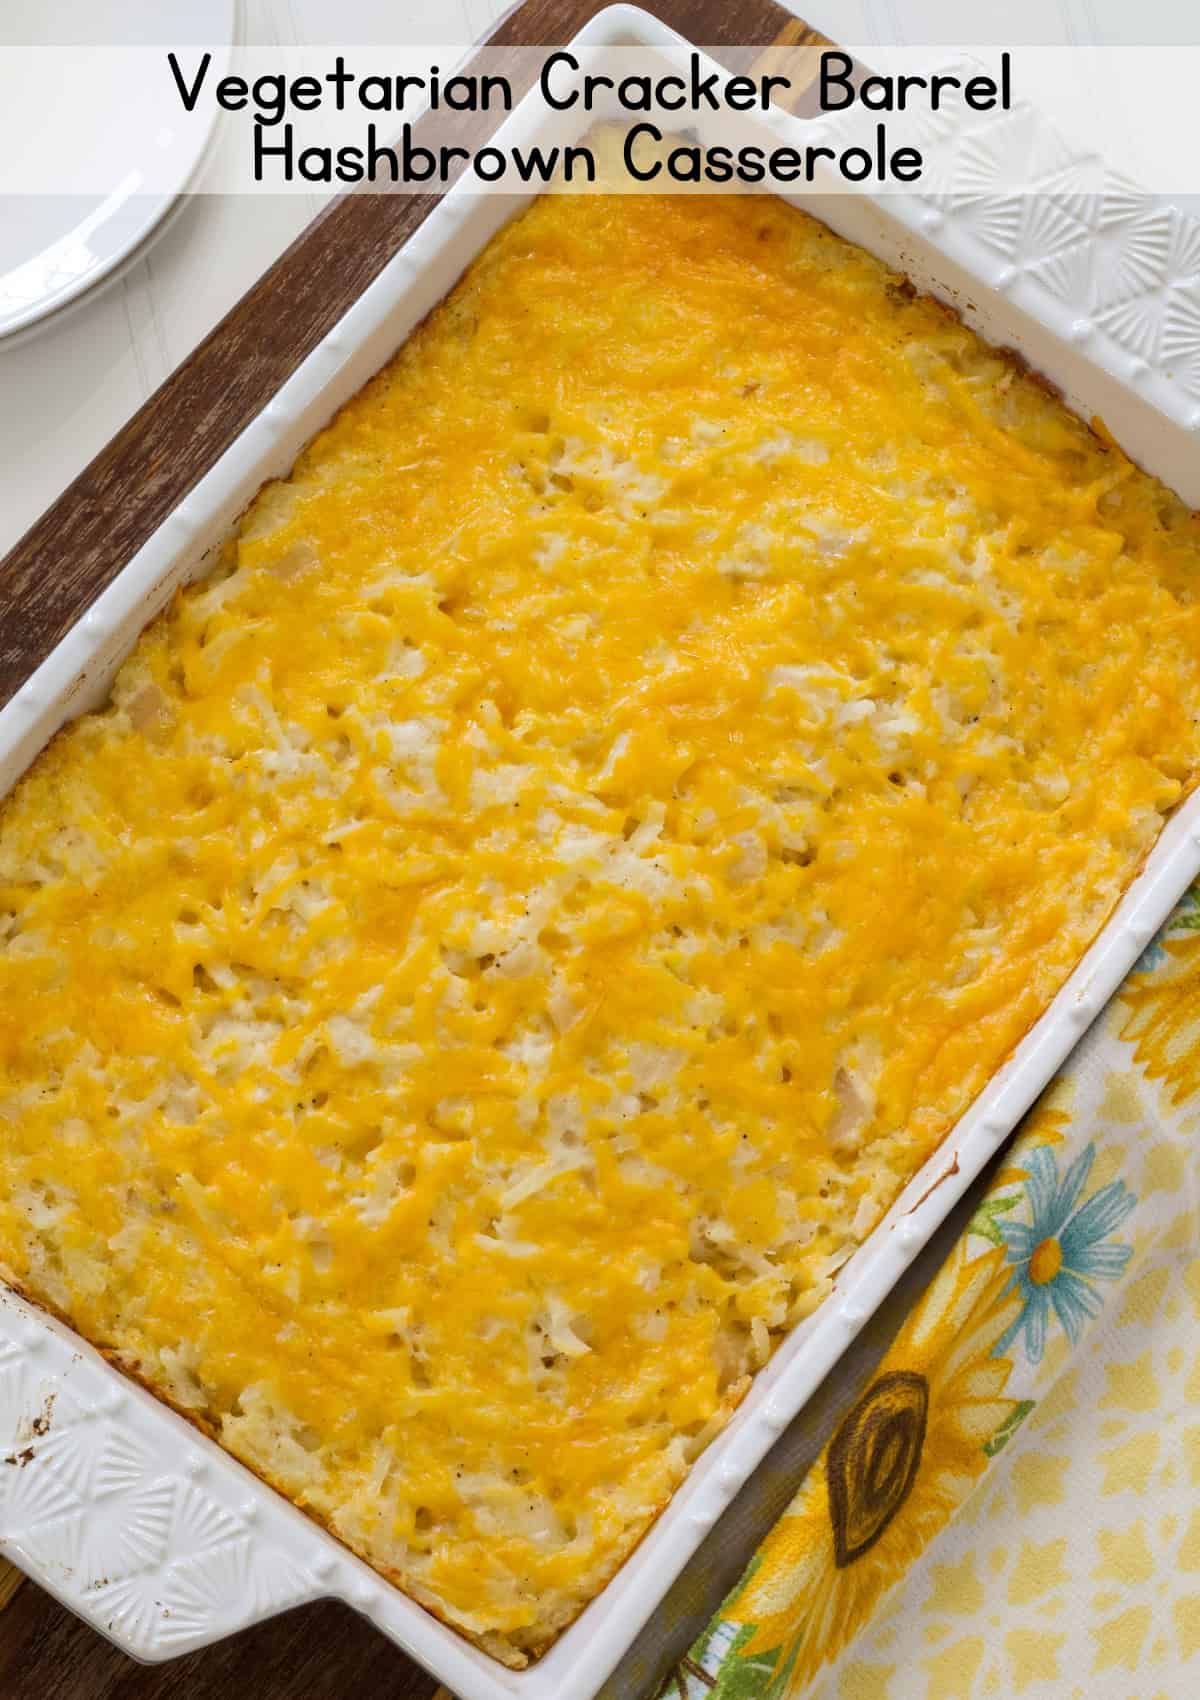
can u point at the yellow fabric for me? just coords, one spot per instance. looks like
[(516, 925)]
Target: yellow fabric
[(1041, 1537)]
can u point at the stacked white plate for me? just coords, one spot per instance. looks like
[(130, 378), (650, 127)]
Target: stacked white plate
[(55, 247)]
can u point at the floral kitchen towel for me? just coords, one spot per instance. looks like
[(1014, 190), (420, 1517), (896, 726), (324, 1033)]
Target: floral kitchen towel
[(1011, 1504)]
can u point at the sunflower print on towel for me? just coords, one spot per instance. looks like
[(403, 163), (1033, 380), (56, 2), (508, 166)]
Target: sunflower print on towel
[(902, 1459), (952, 1390), (1067, 1298), (1162, 1003)]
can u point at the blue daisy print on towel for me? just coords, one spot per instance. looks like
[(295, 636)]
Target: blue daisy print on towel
[(1154, 952), (1062, 1252), (1184, 918)]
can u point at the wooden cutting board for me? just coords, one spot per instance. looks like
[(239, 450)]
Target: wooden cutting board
[(51, 577)]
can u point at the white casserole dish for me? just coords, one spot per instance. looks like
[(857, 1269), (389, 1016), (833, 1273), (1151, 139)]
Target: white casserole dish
[(112, 1502)]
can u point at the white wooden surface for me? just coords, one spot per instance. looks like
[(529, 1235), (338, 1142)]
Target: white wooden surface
[(68, 386)]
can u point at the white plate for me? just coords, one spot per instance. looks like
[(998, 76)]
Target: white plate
[(54, 247)]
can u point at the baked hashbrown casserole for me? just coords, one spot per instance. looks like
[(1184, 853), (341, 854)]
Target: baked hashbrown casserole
[(523, 916)]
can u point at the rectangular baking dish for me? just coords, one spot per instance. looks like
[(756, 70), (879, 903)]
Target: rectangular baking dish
[(117, 1506)]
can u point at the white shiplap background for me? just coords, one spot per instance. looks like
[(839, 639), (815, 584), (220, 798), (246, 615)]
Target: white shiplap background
[(68, 386)]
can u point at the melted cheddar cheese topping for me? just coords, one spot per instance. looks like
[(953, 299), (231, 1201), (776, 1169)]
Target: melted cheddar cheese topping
[(521, 918)]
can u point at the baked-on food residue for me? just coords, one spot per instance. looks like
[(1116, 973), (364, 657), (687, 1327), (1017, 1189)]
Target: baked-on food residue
[(523, 916)]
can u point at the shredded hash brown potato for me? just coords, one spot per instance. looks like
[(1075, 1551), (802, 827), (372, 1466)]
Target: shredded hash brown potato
[(521, 918)]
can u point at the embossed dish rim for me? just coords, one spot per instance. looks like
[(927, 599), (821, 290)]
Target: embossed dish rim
[(115, 1504)]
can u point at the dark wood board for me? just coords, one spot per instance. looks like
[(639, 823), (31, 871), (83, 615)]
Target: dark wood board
[(48, 581), (320, 1652)]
